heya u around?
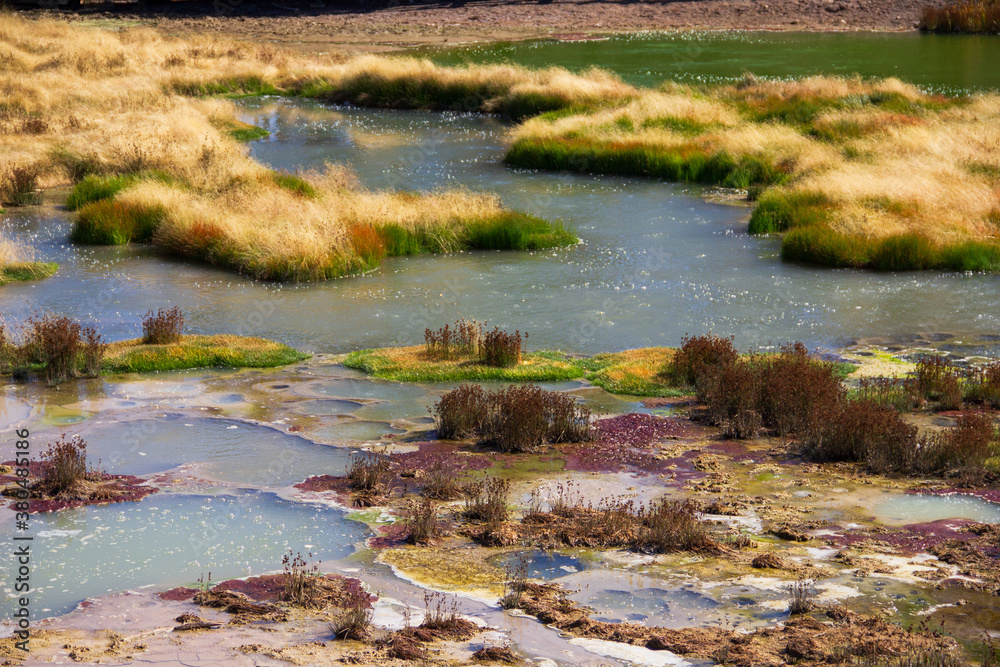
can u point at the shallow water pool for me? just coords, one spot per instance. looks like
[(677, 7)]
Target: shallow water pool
[(169, 540), (920, 508), (226, 450)]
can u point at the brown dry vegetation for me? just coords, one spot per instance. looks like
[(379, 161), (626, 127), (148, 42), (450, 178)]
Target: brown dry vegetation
[(78, 101)]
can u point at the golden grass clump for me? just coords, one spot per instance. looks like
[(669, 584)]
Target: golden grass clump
[(861, 173), (108, 110)]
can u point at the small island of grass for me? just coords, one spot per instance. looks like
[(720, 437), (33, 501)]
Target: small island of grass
[(220, 351), (469, 352), (17, 263), (56, 348), (412, 364), (23, 271)]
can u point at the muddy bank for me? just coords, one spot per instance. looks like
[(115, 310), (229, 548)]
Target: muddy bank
[(356, 27)]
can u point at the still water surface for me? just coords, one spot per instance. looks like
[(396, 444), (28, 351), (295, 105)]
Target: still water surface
[(938, 63)]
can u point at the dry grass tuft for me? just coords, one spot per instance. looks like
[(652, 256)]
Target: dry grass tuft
[(885, 176), (76, 102)]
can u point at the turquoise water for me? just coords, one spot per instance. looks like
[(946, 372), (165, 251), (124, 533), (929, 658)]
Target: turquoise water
[(918, 508), (172, 540), (225, 450)]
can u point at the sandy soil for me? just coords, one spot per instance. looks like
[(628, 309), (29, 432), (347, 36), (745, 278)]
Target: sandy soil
[(320, 27)]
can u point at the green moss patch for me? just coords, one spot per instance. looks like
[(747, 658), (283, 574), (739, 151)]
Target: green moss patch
[(239, 130), (633, 372), (221, 351), (109, 222)]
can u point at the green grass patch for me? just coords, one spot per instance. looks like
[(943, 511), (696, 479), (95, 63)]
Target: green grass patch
[(239, 130), (971, 256), (516, 231), (990, 171), (779, 210), (805, 217), (237, 86), (962, 16), (94, 188), (795, 110), (248, 133), (819, 244), (904, 252), (400, 241), (21, 271), (685, 126), (109, 222), (411, 364), (636, 372), (681, 163), (372, 89), (632, 372), (98, 188), (222, 351), (841, 130), (294, 183)]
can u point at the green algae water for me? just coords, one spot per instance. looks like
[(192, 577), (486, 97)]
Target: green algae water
[(937, 63)]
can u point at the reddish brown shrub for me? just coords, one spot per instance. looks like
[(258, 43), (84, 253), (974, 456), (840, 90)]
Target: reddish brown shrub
[(512, 419), (866, 432), (461, 413), (699, 360), (501, 349), (64, 465), (55, 342), (163, 326), (961, 451), (796, 391)]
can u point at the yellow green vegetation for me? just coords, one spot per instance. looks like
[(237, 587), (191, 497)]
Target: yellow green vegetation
[(413, 364), (227, 351), (17, 262), (449, 569), (856, 173), (638, 372), (166, 168)]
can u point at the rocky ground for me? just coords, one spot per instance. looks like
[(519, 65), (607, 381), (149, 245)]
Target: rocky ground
[(390, 25)]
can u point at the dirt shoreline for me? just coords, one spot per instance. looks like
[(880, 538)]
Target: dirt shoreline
[(359, 28)]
